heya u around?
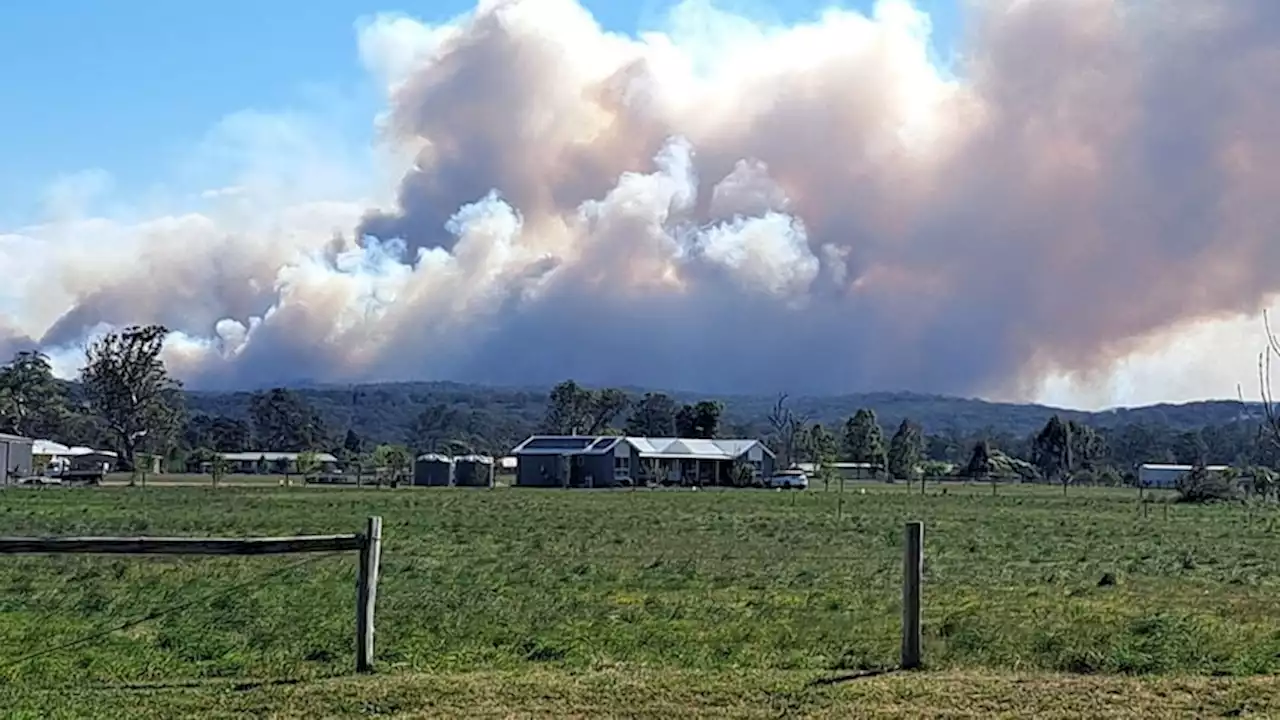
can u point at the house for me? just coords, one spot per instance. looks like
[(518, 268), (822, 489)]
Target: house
[(62, 461), (1155, 475), (845, 470), (15, 457), (275, 463), (610, 460)]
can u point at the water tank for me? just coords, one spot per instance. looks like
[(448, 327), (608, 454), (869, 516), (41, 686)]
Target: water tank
[(433, 470), (473, 471)]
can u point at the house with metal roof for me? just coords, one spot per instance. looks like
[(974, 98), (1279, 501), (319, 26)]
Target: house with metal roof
[(612, 460), (265, 462)]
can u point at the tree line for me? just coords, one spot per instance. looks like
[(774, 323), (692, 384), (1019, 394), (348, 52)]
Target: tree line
[(125, 400)]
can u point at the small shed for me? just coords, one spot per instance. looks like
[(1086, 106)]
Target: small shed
[(1160, 475), (433, 470), (473, 471), (15, 458)]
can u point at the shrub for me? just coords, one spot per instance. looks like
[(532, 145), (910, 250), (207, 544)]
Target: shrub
[(936, 469), (1109, 477), (741, 475), (1263, 481), (1202, 486)]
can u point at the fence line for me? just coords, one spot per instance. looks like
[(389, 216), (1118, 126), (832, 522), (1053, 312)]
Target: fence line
[(368, 544)]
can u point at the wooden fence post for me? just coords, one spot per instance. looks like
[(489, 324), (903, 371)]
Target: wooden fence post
[(912, 575), (367, 594)]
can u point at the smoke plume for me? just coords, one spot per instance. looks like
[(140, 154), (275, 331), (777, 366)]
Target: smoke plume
[(731, 206)]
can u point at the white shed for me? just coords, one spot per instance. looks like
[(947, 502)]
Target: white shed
[(1157, 475)]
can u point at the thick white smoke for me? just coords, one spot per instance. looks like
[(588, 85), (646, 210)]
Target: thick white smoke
[(729, 206)]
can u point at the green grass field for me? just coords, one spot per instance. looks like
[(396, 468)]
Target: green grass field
[(715, 603)]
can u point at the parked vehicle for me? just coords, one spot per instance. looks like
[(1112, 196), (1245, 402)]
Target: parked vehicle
[(789, 480), (39, 480)]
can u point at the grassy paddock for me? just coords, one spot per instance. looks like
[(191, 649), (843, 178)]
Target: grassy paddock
[(601, 592), (663, 694)]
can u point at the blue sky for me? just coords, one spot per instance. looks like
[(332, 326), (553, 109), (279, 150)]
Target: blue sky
[(130, 86)]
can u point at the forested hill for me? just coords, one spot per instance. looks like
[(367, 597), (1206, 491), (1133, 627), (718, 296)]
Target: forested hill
[(384, 411)]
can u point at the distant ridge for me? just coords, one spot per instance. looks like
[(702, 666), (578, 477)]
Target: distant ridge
[(387, 404)]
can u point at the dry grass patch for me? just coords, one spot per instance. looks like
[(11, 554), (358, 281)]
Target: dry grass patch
[(665, 695)]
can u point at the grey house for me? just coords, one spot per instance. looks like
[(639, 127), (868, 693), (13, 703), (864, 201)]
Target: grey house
[(608, 461), (15, 458)]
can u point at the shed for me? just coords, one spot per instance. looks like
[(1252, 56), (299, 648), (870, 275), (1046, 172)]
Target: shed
[(15, 458), (473, 471), (433, 469), (1159, 475)]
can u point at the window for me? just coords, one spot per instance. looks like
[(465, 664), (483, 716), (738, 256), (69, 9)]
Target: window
[(621, 467)]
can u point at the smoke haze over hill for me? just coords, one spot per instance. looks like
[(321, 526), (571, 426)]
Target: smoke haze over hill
[(726, 205)]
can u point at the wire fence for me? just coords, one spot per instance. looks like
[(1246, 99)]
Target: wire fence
[(696, 588), (252, 583)]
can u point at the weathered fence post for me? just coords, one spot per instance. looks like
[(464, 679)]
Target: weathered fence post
[(367, 594), (912, 575)]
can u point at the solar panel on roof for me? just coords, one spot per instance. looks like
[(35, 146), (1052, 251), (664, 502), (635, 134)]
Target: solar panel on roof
[(598, 444), (559, 443)]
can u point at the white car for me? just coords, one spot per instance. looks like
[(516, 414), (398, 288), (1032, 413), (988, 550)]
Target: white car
[(789, 480)]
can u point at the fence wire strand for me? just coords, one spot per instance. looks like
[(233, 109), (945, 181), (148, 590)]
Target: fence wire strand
[(155, 614)]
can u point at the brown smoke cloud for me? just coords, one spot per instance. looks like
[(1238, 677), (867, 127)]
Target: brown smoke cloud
[(733, 207)]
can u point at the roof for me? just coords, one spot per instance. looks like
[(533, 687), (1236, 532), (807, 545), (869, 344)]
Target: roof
[(811, 467), (678, 448), (693, 449), (1178, 468), (49, 447), (56, 449), (566, 444), (6, 437), (256, 455), (434, 457), (481, 459)]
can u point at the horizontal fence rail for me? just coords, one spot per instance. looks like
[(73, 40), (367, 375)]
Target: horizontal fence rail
[(368, 544), (180, 546)]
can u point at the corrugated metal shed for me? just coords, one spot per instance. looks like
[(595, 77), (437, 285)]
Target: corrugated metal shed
[(15, 458), (1160, 475)]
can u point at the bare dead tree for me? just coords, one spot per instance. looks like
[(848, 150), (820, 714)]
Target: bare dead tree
[(788, 425), (1271, 413)]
